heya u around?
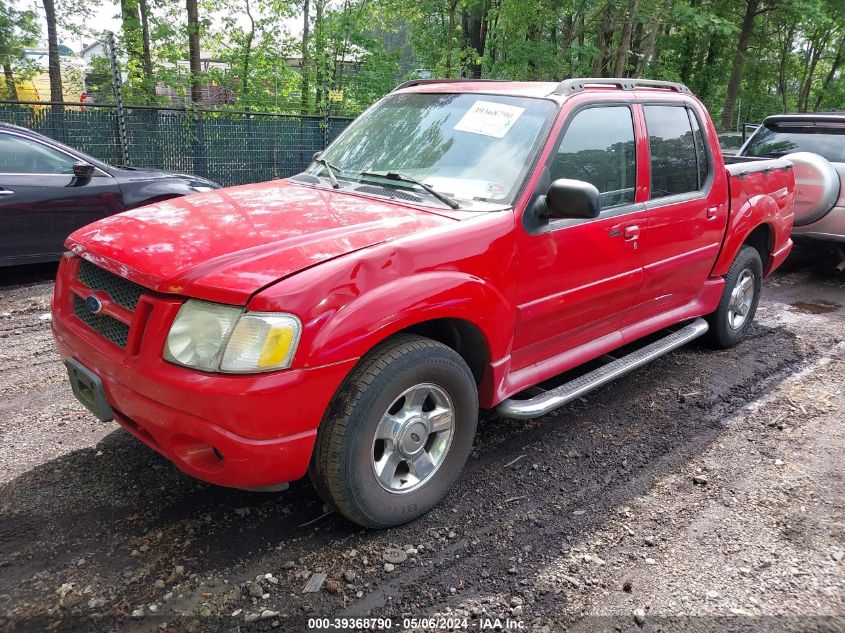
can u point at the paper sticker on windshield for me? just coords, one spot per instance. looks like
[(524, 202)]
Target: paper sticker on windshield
[(489, 118)]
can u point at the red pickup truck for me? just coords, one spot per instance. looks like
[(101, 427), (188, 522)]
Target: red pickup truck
[(459, 244)]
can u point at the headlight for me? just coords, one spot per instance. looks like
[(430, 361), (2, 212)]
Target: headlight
[(216, 337)]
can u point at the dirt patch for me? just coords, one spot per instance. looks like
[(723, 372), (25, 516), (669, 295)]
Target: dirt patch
[(708, 484)]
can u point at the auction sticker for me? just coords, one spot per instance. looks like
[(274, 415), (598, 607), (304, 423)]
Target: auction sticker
[(489, 119)]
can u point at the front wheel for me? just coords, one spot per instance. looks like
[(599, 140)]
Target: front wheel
[(397, 434), (729, 323)]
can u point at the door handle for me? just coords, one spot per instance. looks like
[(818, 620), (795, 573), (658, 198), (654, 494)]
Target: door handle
[(631, 232), (6, 192), (712, 213)]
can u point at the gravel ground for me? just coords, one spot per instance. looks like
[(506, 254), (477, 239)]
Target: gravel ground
[(702, 492)]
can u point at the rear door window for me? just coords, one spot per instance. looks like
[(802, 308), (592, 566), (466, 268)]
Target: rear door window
[(598, 147), (675, 151)]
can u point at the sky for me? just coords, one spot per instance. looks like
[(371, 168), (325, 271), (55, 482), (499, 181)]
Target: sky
[(102, 18)]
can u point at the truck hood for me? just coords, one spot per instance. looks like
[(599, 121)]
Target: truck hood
[(225, 245)]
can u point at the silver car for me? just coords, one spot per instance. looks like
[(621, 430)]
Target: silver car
[(815, 143)]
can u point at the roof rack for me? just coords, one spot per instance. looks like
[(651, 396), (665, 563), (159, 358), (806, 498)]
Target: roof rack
[(422, 82), (571, 86)]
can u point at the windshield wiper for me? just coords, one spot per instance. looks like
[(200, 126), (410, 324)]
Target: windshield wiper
[(330, 170), (392, 175)]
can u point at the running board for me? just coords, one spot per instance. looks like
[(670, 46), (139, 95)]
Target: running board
[(554, 398)]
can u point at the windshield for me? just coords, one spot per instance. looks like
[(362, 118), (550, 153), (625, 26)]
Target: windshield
[(468, 146), (773, 141)]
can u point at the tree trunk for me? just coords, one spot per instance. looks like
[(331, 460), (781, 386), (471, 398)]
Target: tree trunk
[(785, 51), (474, 27), (247, 52), (10, 80), (303, 64), (625, 40), (450, 36), (834, 68), (739, 58), (132, 39), (603, 39), (319, 55), (648, 50), (815, 48), (54, 66), (145, 37), (194, 49), (637, 41)]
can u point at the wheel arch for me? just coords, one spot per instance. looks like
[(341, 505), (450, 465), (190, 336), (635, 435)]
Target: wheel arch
[(461, 311), (762, 239)]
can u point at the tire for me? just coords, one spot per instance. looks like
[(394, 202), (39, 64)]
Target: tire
[(728, 326), (409, 389)]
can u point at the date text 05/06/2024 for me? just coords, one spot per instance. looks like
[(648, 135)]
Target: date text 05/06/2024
[(416, 624)]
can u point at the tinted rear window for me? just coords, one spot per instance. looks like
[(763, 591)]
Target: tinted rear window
[(774, 141), (674, 159)]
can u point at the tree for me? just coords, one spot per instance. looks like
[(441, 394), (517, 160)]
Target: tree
[(303, 62), (18, 29), (54, 67), (194, 50), (752, 10)]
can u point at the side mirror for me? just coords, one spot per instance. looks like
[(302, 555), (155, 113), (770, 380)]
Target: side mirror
[(572, 199), (316, 155), (81, 169)]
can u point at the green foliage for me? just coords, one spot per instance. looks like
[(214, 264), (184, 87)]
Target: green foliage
[(18, 30), (358, 50)]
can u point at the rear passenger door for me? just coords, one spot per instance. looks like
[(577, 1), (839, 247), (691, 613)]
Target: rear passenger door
[(687, 209)]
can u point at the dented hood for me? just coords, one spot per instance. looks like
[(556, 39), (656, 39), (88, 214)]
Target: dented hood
[(225, 245)]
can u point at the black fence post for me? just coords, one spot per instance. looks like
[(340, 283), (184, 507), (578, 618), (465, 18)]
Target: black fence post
[(116, 86)]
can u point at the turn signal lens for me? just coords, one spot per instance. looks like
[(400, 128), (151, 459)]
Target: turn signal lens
[(262, 341)]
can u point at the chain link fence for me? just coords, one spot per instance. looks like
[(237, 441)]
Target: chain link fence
[(227, 147)]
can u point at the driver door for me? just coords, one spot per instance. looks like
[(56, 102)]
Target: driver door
[(578, 278), (42, 202)]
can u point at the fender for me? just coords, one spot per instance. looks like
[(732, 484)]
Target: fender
[(402, 303), (350, 304), (773, 211)]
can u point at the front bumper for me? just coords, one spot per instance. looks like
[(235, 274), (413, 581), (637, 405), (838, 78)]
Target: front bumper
[(242, 431)]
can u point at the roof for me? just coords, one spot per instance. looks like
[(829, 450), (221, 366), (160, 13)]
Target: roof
[(540, 89)]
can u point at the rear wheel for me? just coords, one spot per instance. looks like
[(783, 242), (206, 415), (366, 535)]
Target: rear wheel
[(729, 323), (397, 434)]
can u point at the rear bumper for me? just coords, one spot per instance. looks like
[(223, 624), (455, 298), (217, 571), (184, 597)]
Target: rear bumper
[(831, 228)]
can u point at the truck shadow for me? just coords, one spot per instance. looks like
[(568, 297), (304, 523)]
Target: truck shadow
[(90, 513), (27, 274)]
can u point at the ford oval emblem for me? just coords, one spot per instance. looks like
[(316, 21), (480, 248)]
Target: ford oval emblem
[(93, 304)]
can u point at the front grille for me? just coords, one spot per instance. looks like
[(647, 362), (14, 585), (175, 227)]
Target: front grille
[(109, 327), (122, 291)]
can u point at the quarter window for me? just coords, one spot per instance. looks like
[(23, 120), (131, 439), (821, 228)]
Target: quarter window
[(598, 147), (678, 159), (20, 156)]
